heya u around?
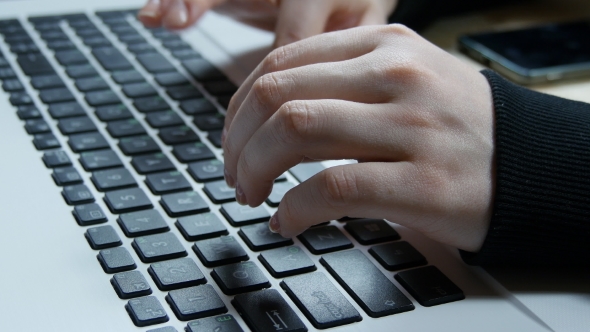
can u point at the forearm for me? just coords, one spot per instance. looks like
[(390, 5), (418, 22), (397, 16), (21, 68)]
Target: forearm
[(541, 212)]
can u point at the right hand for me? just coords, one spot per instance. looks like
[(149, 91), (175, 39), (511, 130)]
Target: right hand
[(292, 20)]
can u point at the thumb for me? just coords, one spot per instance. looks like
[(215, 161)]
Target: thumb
[(299, 19)]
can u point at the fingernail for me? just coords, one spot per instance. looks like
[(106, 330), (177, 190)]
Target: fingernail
[(240, 196), (229, 179), (177, 15), (274, 224), (151, 9)]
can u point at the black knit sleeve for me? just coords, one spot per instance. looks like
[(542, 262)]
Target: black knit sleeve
[(541, 213)]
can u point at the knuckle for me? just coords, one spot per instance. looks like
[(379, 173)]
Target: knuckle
[(340, 187), (266, 90), (297, 122), (274, 60)]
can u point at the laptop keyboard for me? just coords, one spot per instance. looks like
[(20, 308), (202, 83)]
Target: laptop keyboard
[(129, 121)]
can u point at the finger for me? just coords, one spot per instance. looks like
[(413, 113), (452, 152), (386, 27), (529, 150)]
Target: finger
[(318, 130), (299, 19), (174, 14), (367, 190), (310, 82), (329, 47)]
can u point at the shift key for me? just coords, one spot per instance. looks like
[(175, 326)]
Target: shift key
[(367, 285), (320, 301)]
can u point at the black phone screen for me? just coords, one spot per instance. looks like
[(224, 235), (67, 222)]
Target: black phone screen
[(541, 47)]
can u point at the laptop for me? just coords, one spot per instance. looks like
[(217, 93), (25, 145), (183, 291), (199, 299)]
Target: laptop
[(115, 216)]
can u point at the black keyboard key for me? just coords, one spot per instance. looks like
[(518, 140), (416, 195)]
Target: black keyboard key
[(142, 223), (319, 300), (60, 45), (102, 237), (197, 106), (239, 278), (208, 122), (127, 200), (65, 110), (266, 310), (397, 255), (183, 92), (20, 98), (111, 59), (258, 237), (138, 145), (96, 42), (127, 76), (87, 142), (178, 135), (145, 311), (70, 57), (76, 125), (91, 83), (224, 101), (152, 163), (77, 194), (429, 286), (141, 48), (45, 142), (7, 73), (110, 179), (113, 112), (176, 273), (201, 226), (37, 126), (66, 176), (278, 191), (208, 170), (130, 39), (28, 112), (239, 215), (171, 79), (95, 160), (46, 81), (219, 251), (225, 323), (175, 44), (186, 153), (285, 262), (220, 88), (103, 97), (53, 159), (115, 260), (151, 104), (136, 90), (164, 119), (88, 32), (215, 138), (155, 62), (23, 47), (304, 171), (34, 64), (184, 203), (12, 85), (202, 70), (56, 95), (321, 240), (124, 128), (89, 214), (195, 302), (219, 192), (366, 284), (371, 231), (158, 247), (82, 70), (167, 182), (130, 284)]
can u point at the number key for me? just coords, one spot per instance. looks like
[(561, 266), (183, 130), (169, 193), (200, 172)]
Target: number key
[(146, 311), (158, 247)]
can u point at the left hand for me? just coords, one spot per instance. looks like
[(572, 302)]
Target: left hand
[(418, 120)]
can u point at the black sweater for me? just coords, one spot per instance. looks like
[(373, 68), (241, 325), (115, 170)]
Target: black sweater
[(541, 212)]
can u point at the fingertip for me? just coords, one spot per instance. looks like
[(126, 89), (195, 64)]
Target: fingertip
[(150, 14), (180, 14), (274, 225)]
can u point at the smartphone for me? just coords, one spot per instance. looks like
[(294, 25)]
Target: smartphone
[(533, 55)]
